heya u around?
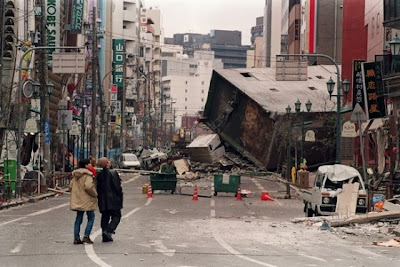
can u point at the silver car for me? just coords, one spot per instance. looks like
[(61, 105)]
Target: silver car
[(127, 161)]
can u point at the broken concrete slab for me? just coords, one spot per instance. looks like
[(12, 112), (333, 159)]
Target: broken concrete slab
[(389, 206), (347, 200), (181, 166)]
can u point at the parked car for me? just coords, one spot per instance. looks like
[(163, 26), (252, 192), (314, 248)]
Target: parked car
[(127, 161), (321, 199)]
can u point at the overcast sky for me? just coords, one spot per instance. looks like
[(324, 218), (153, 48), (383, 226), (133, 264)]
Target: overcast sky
[(201, 16)]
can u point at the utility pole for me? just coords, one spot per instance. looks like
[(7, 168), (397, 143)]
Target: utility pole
[(94, 84), (44, 99), (3, 111), (123, 104)]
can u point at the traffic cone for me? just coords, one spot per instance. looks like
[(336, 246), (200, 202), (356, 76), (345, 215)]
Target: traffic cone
[(239, 194), (195, 195), (265, 196), (149, 191)]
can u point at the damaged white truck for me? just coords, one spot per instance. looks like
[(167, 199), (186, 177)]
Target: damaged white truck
[(322, 198)]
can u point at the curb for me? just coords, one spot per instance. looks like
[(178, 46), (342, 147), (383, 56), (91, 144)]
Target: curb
[(24, 200)]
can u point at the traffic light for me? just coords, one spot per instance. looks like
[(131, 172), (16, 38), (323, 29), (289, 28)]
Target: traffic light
[(9, 30)]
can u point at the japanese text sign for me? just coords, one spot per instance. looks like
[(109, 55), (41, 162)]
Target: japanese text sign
[(373, 90)]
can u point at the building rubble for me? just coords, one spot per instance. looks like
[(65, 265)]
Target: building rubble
[(382, 228)]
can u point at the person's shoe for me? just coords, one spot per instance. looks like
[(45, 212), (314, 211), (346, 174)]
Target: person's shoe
[(78, 241), (86, 239), (107, 237)]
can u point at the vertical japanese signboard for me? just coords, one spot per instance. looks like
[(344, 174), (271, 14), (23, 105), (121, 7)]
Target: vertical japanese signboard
[(118, 62), (358, 89), (53, 26), (76, 11), (373, 90)]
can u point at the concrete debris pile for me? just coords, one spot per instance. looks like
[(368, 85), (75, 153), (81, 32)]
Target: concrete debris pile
[(208, 154), (377, 225)]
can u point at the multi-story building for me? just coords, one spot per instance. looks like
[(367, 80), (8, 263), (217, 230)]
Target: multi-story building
[(255, 55), (257, 30), (185, 84), (272, 32), (125, 28), (321, 29), (226, 45), (149, 100)]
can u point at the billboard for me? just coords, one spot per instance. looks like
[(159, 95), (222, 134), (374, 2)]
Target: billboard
[(358, 88), (373, 90)]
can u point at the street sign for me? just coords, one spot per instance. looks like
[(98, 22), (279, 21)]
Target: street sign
[(358, 114), (31, 126), (75, 129), (309, 136), (69, 62), (46, 129), (65, 119), (349, 129)]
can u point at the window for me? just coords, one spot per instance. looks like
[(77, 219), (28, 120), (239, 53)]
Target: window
[(202, 100), (185, 98), (202, 82), (185, 107), (297, 29), (185, 90), (378, 21), (202, 91), (373, 27), (185, 82)]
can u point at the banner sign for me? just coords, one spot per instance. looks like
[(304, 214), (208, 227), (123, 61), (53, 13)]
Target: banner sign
[(373, 89), (118, 60), (53, 26), (358, 89), (76, 16), (46, 130)]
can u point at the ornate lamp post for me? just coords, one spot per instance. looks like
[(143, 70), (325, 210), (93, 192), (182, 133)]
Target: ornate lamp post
[(79, 103), (395, 49), (345, 86), (289, 157), (298, 112)]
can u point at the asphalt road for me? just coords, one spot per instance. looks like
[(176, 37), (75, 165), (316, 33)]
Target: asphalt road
[(174, 230)]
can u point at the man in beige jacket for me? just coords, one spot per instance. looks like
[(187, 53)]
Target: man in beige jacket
[(83, 198)]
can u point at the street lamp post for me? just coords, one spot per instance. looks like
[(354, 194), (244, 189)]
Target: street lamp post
[(19, 137), (289, 156), (331, 84), (346, 86), (395, 51), (80, 104), (299, 112)]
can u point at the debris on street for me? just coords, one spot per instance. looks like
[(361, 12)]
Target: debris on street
[(391, 243), (206, 148)]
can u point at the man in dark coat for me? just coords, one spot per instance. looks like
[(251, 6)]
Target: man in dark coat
[(110, 198)]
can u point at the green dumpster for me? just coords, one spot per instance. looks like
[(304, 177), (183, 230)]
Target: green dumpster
[(10, 173), (163, 181), (226, 183)]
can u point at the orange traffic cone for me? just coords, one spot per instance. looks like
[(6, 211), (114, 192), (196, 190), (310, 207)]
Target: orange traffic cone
[(149, 191), (265, 196), (239, 194), (195, 195)]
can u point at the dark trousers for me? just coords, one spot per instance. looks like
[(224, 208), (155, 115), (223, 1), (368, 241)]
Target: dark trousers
[(106, 216)]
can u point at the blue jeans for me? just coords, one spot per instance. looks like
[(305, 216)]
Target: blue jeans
[(78, 222)]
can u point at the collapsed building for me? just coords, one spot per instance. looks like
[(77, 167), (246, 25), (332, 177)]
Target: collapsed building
[(247, 108)]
